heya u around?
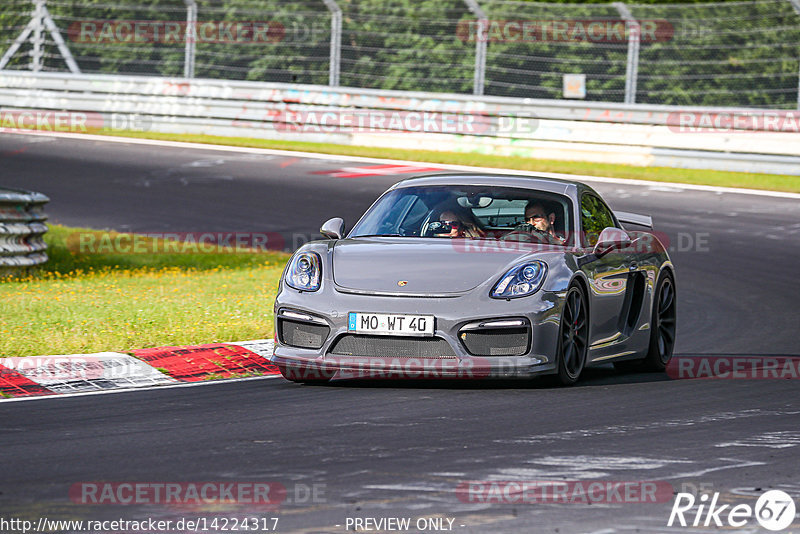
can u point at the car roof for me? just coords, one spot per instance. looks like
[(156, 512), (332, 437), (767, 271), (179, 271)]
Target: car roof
[(538, 183)]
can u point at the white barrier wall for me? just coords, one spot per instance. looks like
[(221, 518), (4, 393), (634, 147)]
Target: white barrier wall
[(725, 139)]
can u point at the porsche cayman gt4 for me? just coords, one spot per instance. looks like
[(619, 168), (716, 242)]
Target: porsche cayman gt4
[(477, 276)]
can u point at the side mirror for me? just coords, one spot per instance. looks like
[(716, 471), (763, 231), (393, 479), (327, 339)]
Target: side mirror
[(333, 228), (611, 239)]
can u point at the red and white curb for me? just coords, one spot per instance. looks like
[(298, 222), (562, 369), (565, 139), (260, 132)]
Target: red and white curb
[(103, 371)]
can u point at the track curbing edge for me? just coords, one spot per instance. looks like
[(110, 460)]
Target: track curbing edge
[(104, 371)]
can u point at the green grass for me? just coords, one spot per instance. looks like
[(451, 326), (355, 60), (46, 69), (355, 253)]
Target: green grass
[(772, 182), (79, 303)]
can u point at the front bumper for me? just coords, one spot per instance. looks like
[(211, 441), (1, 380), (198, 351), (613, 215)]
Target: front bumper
[(540, 312)]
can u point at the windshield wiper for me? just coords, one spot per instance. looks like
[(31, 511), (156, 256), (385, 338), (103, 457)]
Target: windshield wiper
[(380, 235)]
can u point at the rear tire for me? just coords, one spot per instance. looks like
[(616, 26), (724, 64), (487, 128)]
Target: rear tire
[(573, 337), (662, 324)]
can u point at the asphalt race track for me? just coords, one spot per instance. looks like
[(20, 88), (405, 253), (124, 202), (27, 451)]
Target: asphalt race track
[(400, 450)]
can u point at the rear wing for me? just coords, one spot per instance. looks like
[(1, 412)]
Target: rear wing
[(634, 218)]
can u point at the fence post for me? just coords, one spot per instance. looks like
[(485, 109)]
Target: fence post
[(480, 46), (191, 41), (796, 6), (336, 42), (634, 37), (40, 21), (37, 53), (62, 46)]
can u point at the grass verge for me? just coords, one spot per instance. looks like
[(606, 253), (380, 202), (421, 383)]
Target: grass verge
[(80, 303), (771, 182)]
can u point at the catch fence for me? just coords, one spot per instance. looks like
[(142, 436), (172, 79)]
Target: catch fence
[(740, 53)]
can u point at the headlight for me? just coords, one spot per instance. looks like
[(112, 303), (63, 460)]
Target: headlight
[(304, 272), (521, 281)]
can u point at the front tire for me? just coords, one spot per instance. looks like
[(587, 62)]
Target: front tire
[(573, 337), (662, 324)]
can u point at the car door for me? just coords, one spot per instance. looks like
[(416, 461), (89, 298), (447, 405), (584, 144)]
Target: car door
[(608, 276)]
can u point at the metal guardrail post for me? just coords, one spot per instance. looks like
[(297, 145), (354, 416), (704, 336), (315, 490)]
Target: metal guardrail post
[(634, 38), (796, 6), (62, 46), (191, 38), (21, 229), (37, 53), (40, 20), (481, 40), (336, 42)]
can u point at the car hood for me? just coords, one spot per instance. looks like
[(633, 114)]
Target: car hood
[(427, 265)]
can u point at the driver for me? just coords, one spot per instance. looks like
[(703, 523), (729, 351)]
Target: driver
[(539, 222)]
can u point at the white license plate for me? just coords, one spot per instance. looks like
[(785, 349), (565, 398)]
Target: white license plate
[(390, 324)]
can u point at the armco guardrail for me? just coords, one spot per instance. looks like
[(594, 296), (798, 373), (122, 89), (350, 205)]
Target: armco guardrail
[(21, 229), (692, 137)]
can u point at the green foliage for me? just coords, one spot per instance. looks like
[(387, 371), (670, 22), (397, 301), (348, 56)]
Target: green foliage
[(14, 16), (64, 251), (737, 53), (80, 303)]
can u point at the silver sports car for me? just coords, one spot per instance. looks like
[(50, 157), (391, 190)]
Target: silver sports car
[(477, 276)]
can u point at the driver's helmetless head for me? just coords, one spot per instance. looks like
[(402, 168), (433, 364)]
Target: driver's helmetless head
[(449, 217), (536, 215)]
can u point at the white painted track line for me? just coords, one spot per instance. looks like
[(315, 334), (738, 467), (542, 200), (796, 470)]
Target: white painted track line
[(465, 168)]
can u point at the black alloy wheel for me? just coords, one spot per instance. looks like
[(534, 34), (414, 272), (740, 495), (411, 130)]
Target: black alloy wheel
[(662, 325), (573, 340)]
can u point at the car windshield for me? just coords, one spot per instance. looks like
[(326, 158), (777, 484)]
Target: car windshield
[(472, 212)]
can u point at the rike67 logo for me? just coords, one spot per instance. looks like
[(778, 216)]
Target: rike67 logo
[(774, 510)]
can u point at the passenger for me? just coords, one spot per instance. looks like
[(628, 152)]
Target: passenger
[(459, 226)]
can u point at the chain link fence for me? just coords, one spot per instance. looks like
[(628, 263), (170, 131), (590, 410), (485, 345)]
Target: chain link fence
[(738, 53)]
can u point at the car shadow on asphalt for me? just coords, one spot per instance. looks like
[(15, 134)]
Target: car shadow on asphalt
[(597, 375), (603, 375)]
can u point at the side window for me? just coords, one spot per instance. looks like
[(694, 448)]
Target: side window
[(595, 216)]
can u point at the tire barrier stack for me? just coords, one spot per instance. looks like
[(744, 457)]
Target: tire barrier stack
[(22, 228)]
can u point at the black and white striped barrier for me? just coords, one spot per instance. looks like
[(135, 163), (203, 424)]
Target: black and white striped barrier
[(22, 229)]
